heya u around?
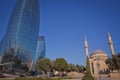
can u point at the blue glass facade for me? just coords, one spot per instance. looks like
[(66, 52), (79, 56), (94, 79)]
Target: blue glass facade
[(41, 50), (23, 29)]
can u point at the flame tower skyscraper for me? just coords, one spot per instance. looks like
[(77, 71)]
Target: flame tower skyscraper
[(23, 29)]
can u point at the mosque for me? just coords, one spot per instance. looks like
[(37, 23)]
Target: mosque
[(98, 57)]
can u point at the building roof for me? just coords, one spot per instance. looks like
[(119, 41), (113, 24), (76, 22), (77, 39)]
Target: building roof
[(98, 51)]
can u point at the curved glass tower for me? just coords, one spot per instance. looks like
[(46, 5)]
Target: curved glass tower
[(23, 29), (41, 50)]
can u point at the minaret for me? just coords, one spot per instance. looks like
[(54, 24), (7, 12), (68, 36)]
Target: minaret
[(110, 42), (88, 64), (86, 46)]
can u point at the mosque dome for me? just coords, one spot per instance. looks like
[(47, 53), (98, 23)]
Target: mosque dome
[(98, 52), (98, 61)]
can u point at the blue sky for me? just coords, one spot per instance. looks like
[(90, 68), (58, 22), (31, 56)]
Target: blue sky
[(65, 22)]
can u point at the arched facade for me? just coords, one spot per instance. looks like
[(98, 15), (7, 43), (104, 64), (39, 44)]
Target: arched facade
[(97, 62)]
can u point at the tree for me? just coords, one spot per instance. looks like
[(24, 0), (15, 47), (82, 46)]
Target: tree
[(8, 55), (17, 65), (17, 62), (44, 64), (80, 68), (88, 75), (60, 64), (118, 55), (25, 67), (72, 67), (114, 62), (110, 64)]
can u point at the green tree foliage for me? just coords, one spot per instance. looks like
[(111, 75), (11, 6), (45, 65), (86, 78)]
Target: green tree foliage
[(72, 67), (88, 72), (88, 75), (114, 62), (25, 67), (80, 68), (77, 68), (110, 63), (44, 64), (8, 55), (17, 62), (118, 55), (61, 64)]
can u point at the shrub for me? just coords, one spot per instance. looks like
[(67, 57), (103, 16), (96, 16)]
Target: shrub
[(88, 77)]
